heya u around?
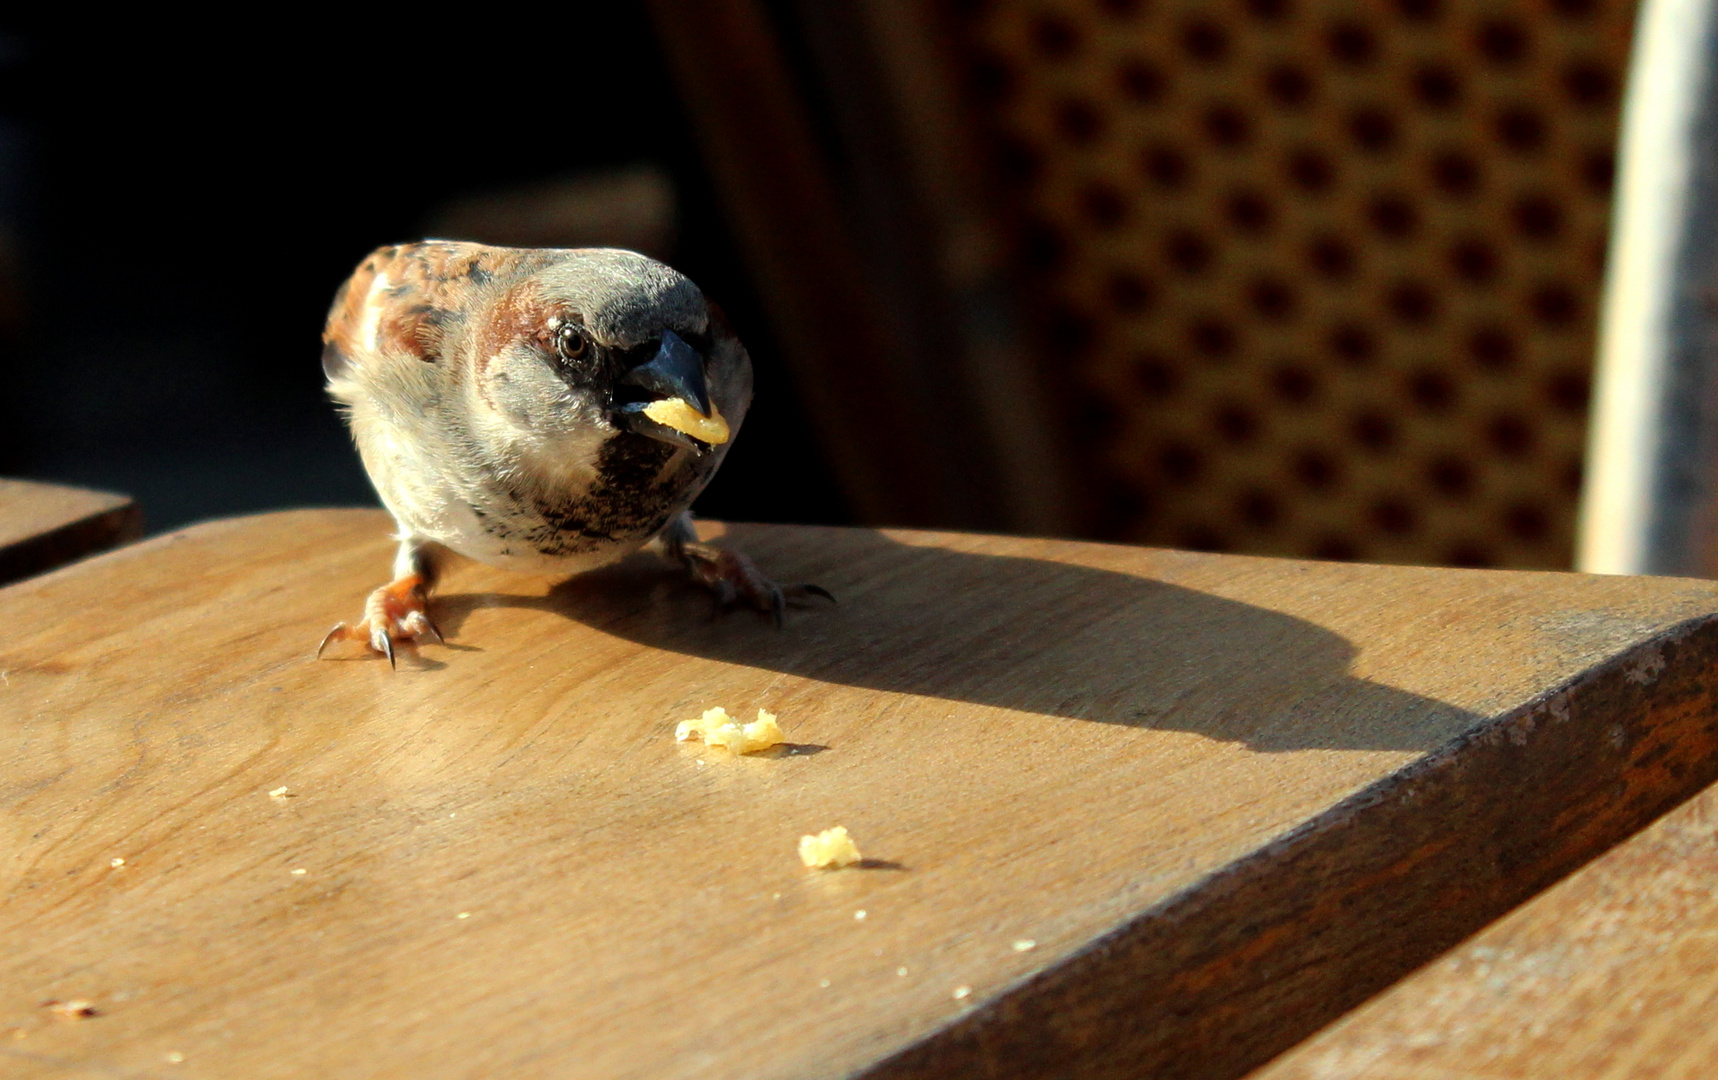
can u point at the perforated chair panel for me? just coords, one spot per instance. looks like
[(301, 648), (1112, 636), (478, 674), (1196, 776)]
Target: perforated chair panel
[(1326, 273)]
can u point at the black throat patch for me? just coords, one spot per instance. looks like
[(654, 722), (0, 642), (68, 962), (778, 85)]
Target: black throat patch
[(630, 501)]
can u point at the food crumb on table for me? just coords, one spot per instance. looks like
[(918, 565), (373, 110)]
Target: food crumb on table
[(71, 1009), (829, 849), (717, 728)]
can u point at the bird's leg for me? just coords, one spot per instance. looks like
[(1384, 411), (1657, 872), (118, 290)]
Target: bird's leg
[(729, 574), (398, 610)]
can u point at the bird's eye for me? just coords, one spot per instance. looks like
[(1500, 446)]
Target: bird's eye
[(571, 343)]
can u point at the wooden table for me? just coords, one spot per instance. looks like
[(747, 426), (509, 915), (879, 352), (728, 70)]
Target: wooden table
[(46, 525), (1125, 810)]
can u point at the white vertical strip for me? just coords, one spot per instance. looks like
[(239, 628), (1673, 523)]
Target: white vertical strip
[(1636, 342)]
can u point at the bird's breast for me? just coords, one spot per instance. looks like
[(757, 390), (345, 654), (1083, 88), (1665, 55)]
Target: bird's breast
[(531, 523)]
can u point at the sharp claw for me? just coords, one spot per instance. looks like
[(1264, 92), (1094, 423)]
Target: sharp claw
[(778, 607), (395, 612), (817, 590), (383, 642)]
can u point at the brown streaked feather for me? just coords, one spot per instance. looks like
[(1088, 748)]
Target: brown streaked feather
[(430, 286), (344, 317), (516, 315), (417, 329)]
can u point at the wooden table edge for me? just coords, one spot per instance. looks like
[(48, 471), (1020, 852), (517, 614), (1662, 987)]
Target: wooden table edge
[(1260, 967), (113, 520)]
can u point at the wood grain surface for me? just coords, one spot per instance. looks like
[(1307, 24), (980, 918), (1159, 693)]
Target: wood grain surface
[(1224, 798), (1612, 973), (46, 525)]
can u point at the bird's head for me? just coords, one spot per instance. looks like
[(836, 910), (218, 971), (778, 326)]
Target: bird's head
[(608, 341), (553, 352)]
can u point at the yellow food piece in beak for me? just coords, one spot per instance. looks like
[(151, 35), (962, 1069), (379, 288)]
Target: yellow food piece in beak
[(674, 413)]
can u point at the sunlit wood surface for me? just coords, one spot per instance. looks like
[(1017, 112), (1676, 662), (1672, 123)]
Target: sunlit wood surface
[(1224, 799), (46, 525)]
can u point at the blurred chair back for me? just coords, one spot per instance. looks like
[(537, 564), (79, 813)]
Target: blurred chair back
[(1315, 278)]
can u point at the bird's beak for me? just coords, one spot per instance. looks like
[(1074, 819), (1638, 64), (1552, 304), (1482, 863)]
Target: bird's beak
[(681, 412)]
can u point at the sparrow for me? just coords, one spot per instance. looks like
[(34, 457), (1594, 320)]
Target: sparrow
[(547, 411)]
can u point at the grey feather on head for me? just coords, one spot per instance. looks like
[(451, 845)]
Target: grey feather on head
[(627, 299)]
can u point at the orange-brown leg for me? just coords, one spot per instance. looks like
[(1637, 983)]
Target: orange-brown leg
[(731, 575), (398, 611)]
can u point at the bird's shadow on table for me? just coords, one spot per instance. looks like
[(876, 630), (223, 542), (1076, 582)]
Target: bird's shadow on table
[(1034, 635)]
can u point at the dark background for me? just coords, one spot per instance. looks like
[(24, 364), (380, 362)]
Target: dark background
[(175, 215)]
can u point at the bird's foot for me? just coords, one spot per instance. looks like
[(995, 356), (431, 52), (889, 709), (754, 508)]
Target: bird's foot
[(733, 577), (398, 611)]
